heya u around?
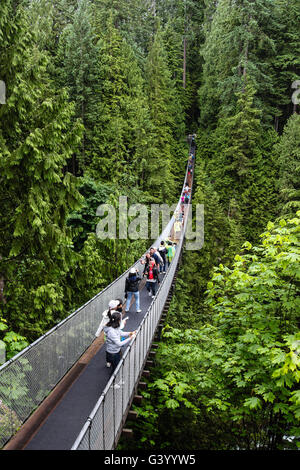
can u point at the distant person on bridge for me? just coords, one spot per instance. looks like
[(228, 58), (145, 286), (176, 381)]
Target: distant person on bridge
[(132, 288), (177, 228), (114, 343), (186, 198)]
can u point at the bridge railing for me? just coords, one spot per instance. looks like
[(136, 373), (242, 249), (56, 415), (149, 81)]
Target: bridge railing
[(104, 425), (28, 378)]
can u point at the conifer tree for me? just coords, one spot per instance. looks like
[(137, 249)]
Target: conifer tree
[(133, 20), (161, 98), (36, 140), (238, 42), (77, 70), (286, 66), (123, 132), (242, 163), (288, 154)]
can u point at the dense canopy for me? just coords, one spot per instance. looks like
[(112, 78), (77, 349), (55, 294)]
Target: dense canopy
[(97, 98)]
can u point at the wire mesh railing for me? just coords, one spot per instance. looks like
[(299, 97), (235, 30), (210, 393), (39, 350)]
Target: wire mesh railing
[(28, 378), (105, 423)]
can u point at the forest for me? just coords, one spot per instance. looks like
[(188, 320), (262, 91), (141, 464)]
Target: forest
[(97, 98)]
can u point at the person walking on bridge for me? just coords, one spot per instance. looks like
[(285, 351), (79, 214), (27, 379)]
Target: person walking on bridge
[(151, 273), (132, 288), (170, 252), (154, 253), (163, 251), (114, 305)]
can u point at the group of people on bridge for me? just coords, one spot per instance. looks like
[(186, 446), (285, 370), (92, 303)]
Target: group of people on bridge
[(155, 262)]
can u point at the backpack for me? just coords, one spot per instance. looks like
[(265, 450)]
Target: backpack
[(150, 273)]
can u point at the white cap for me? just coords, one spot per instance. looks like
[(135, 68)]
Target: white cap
[(113, 304), (132, 271)]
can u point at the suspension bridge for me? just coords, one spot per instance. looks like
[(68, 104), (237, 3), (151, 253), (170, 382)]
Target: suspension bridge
[(58, 394)]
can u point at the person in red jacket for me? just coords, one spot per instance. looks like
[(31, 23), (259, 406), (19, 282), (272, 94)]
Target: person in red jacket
[(151, 273)]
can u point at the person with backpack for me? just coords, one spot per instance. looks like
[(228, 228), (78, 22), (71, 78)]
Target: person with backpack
[(151, 273), (113, 341), (106, 315), (163, 252), (156, 256), (132, 288)]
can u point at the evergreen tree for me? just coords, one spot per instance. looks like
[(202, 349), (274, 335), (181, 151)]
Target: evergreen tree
[(286, 66), (238, 43), (36, 140), (241, 162), (161, 97), (123, 133), (288, 154), (77, 64), (132, 18)]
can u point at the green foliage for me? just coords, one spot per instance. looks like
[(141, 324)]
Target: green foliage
[(9, 422), (96, 109), (288, 154), (239, 40), (37, 138), (240, 160), (233, 377), (78, 70)]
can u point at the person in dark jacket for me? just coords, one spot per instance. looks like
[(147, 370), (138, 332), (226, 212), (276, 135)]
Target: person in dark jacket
[(163, 252), (132, 288)]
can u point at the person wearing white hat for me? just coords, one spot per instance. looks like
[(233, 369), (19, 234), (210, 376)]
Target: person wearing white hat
[(113, 305), (132, 288)]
